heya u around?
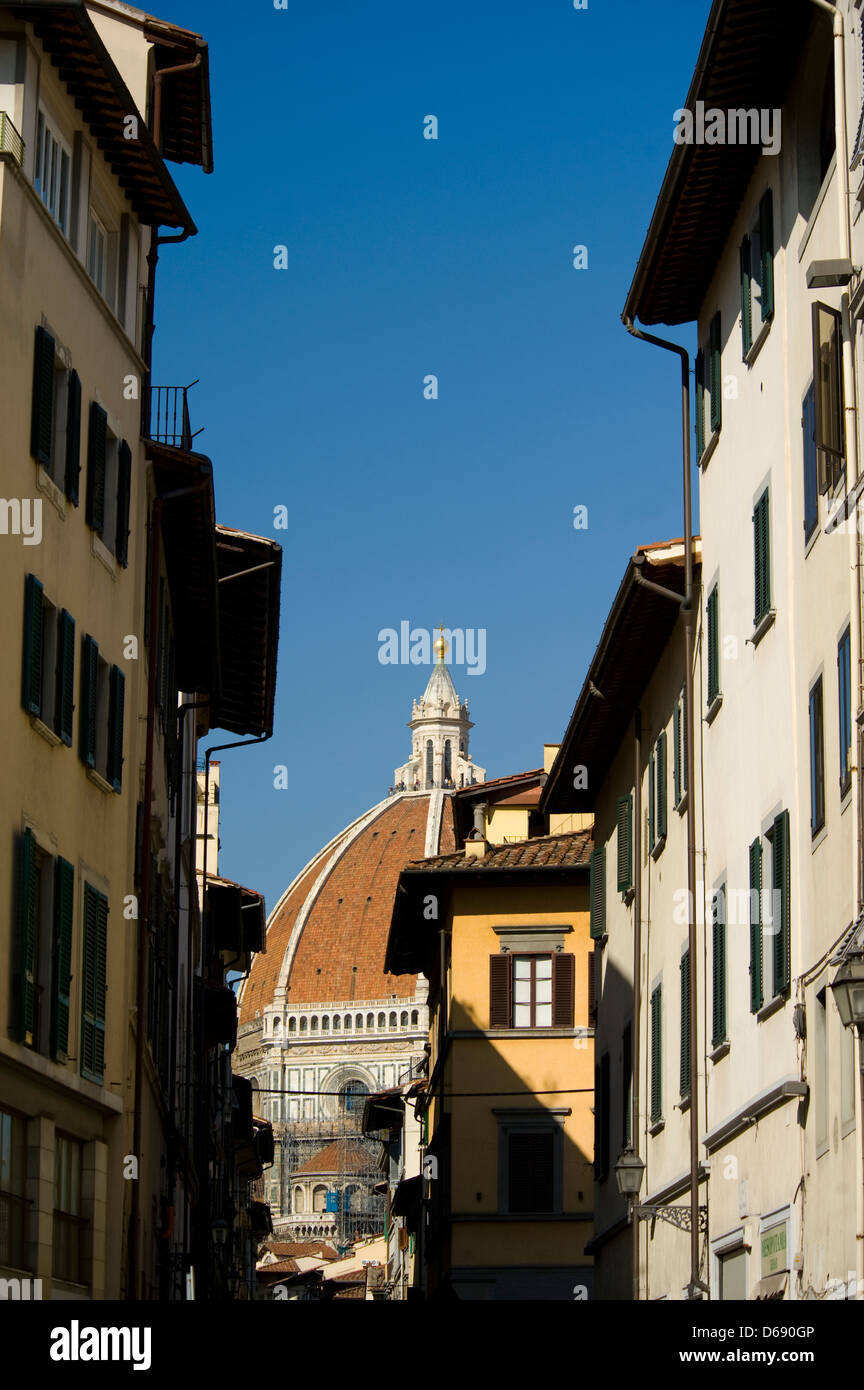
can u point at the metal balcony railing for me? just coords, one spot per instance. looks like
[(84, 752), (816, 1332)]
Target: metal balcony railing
[(10, 140), (169, 416)]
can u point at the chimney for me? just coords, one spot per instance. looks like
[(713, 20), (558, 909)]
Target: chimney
[(475, 845), (550, 753)]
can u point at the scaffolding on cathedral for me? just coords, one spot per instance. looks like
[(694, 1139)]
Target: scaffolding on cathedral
[(328, 1174)]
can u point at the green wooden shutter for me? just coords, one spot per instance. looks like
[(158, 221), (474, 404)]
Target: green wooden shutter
[(31, 665), (73, 437), (766, 238), (42, 416), (718, 968), (604, 1116), (651, 802), (756, 993), (656, 1054), (93, 982), (117, 695), (61, 976), (64, 704), (625, 844), (26, 928), (676, 752), (684, 741), (627, 1086), (782, 891), (713, 647), (598, 892), (89, 691), (700, 404), (716, 374), (97, 448), (124, 493), (761, 558), (684, 1077), (746, 299), (661, 786)]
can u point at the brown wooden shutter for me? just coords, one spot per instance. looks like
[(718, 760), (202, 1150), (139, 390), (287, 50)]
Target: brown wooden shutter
[(563, 989), (42, 414), (500, 991)]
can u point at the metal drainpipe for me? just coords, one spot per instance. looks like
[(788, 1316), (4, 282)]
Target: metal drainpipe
[(850, 397), (696, 1284), (637, 967), (146, 860)]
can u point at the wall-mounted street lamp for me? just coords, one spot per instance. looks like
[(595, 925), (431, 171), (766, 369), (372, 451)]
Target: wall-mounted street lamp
[(629, 1171), (848, 990)]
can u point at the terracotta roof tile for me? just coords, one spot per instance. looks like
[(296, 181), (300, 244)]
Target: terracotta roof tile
[(552, 851)]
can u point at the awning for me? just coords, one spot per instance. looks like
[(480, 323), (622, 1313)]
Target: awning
[(188, 535), (236, 916), (250, 573), (407, 1198), (748, 58), (772, 1286), (69, 36)]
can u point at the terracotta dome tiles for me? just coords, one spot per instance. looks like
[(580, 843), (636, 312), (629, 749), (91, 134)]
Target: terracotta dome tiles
[(340, 952)]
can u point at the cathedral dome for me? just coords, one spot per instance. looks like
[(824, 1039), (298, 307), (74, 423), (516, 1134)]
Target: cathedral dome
[(327, 936)]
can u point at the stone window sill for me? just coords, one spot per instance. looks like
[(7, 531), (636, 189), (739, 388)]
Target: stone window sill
[(756, 346), (714, 709), (44, 732), (656, 1126), (55, 495), (709, 449), (103, 554), (99, 781), (773, 1006), (720, 1051), (766, 621)]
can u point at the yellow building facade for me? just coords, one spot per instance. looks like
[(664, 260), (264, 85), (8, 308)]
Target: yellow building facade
[(502, 934)]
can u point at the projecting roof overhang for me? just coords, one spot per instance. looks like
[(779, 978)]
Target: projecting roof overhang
[(70, 38), (637, 629), (250, 572), (186, 127), (188, 535), (749, 54)]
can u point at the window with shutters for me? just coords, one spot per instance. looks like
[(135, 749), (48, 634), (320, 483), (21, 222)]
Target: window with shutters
[(712, 644), (55, 429), (535, 990), (761, 559), (625, 843), (42, 949), (829, 425), (109, 484), (757, 997), (811, 465), (93, 984), (627, 1087), (709, 387), (817, 760), (530, 1162), (70, 1226), (844, 697), (48, 662), (598, 892), (757, 274), (102, 718), (679, 734), (656, 1025), (781, 915), (97, 251), (52, 171), (684, 1062), (13, 1200), (718, 969), (602, 1119), (658, 794)]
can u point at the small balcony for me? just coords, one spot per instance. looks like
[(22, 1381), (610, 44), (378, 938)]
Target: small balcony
[(169, 416), (10, 140)]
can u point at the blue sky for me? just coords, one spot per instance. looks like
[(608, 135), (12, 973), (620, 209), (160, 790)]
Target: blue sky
[(409, 257)]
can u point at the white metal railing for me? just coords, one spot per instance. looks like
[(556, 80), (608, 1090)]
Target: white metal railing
[(10, 140)]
